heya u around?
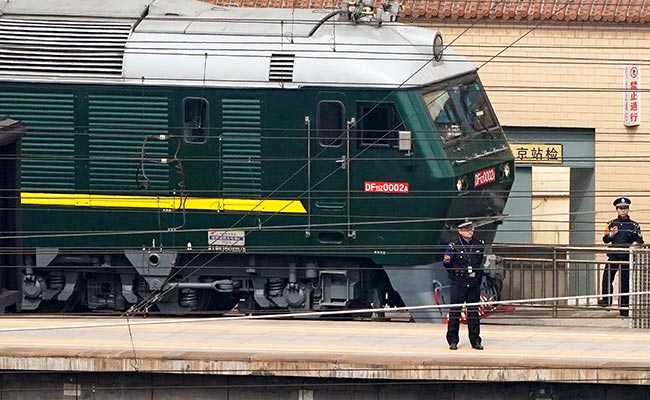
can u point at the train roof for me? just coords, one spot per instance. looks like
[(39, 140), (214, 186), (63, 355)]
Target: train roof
[(191, 43)]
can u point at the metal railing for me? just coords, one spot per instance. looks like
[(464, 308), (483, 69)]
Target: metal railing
[(640, 282), (556, 271)]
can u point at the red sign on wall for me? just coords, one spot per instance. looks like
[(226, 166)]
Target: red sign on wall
[(386, 187), (632, 102), (485, 176)]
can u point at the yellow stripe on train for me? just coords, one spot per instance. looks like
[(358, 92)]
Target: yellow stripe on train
[(162, 202)]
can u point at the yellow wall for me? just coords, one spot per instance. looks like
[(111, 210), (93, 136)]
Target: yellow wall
[(597, 58), (551, 205)]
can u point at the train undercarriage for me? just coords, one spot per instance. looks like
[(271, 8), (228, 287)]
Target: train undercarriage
[(183, 283)]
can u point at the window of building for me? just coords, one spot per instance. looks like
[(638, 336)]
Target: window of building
[(378, 124), (331, 123), (195, 120)]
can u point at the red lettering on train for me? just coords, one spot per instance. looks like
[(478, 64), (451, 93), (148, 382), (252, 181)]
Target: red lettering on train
[(485, 176)]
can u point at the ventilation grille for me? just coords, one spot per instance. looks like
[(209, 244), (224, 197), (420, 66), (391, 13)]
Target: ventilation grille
[(61, 48), (241, 147), (48, 143), (281, 69), (118, 126)]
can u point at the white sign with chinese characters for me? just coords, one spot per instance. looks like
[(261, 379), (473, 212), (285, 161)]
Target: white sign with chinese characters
[(537, 153), (227, 241), (632, 110)]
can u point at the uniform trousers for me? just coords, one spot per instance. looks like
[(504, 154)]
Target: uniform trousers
[(608, 286), (462, 293)]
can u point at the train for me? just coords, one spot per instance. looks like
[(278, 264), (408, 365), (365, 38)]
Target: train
[(180, 157)]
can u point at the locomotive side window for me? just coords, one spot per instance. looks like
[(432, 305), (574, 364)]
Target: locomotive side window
[(331, 123), (195, 120), (378, 124)]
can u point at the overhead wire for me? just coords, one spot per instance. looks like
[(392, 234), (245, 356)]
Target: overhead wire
[(631, 158), (457, 37), (303, 314), (317, 183), (257, 228), (179, 270)]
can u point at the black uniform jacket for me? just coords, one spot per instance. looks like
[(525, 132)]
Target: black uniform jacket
[(628, 233), (460, 256)]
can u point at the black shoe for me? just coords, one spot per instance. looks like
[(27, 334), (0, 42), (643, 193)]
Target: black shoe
[(453, 346), (603, 303), (477, 346), (625, 314)]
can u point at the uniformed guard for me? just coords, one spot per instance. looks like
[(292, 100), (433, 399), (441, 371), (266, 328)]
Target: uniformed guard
[(621, 232), (464, 261)]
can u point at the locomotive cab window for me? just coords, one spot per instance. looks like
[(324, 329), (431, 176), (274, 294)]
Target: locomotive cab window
[(195, 120), (378, 124), (461, 109), (331, 123), (443, 112), (474, 104)]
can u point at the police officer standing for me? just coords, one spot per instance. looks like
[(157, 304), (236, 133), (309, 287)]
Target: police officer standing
[(463, 260), (621, 232)]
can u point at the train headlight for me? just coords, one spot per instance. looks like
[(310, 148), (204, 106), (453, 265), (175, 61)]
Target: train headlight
[(438, 47), (506, 170), (460, 184)]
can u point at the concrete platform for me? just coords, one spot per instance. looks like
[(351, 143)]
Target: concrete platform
[(319, 349)]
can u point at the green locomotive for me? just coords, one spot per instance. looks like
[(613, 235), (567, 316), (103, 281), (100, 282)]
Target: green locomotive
[(270, 159)]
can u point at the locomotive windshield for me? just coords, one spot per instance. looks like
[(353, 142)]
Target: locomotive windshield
[(460, 109)]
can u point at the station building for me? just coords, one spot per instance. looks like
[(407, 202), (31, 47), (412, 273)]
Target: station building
[(567, 87)]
